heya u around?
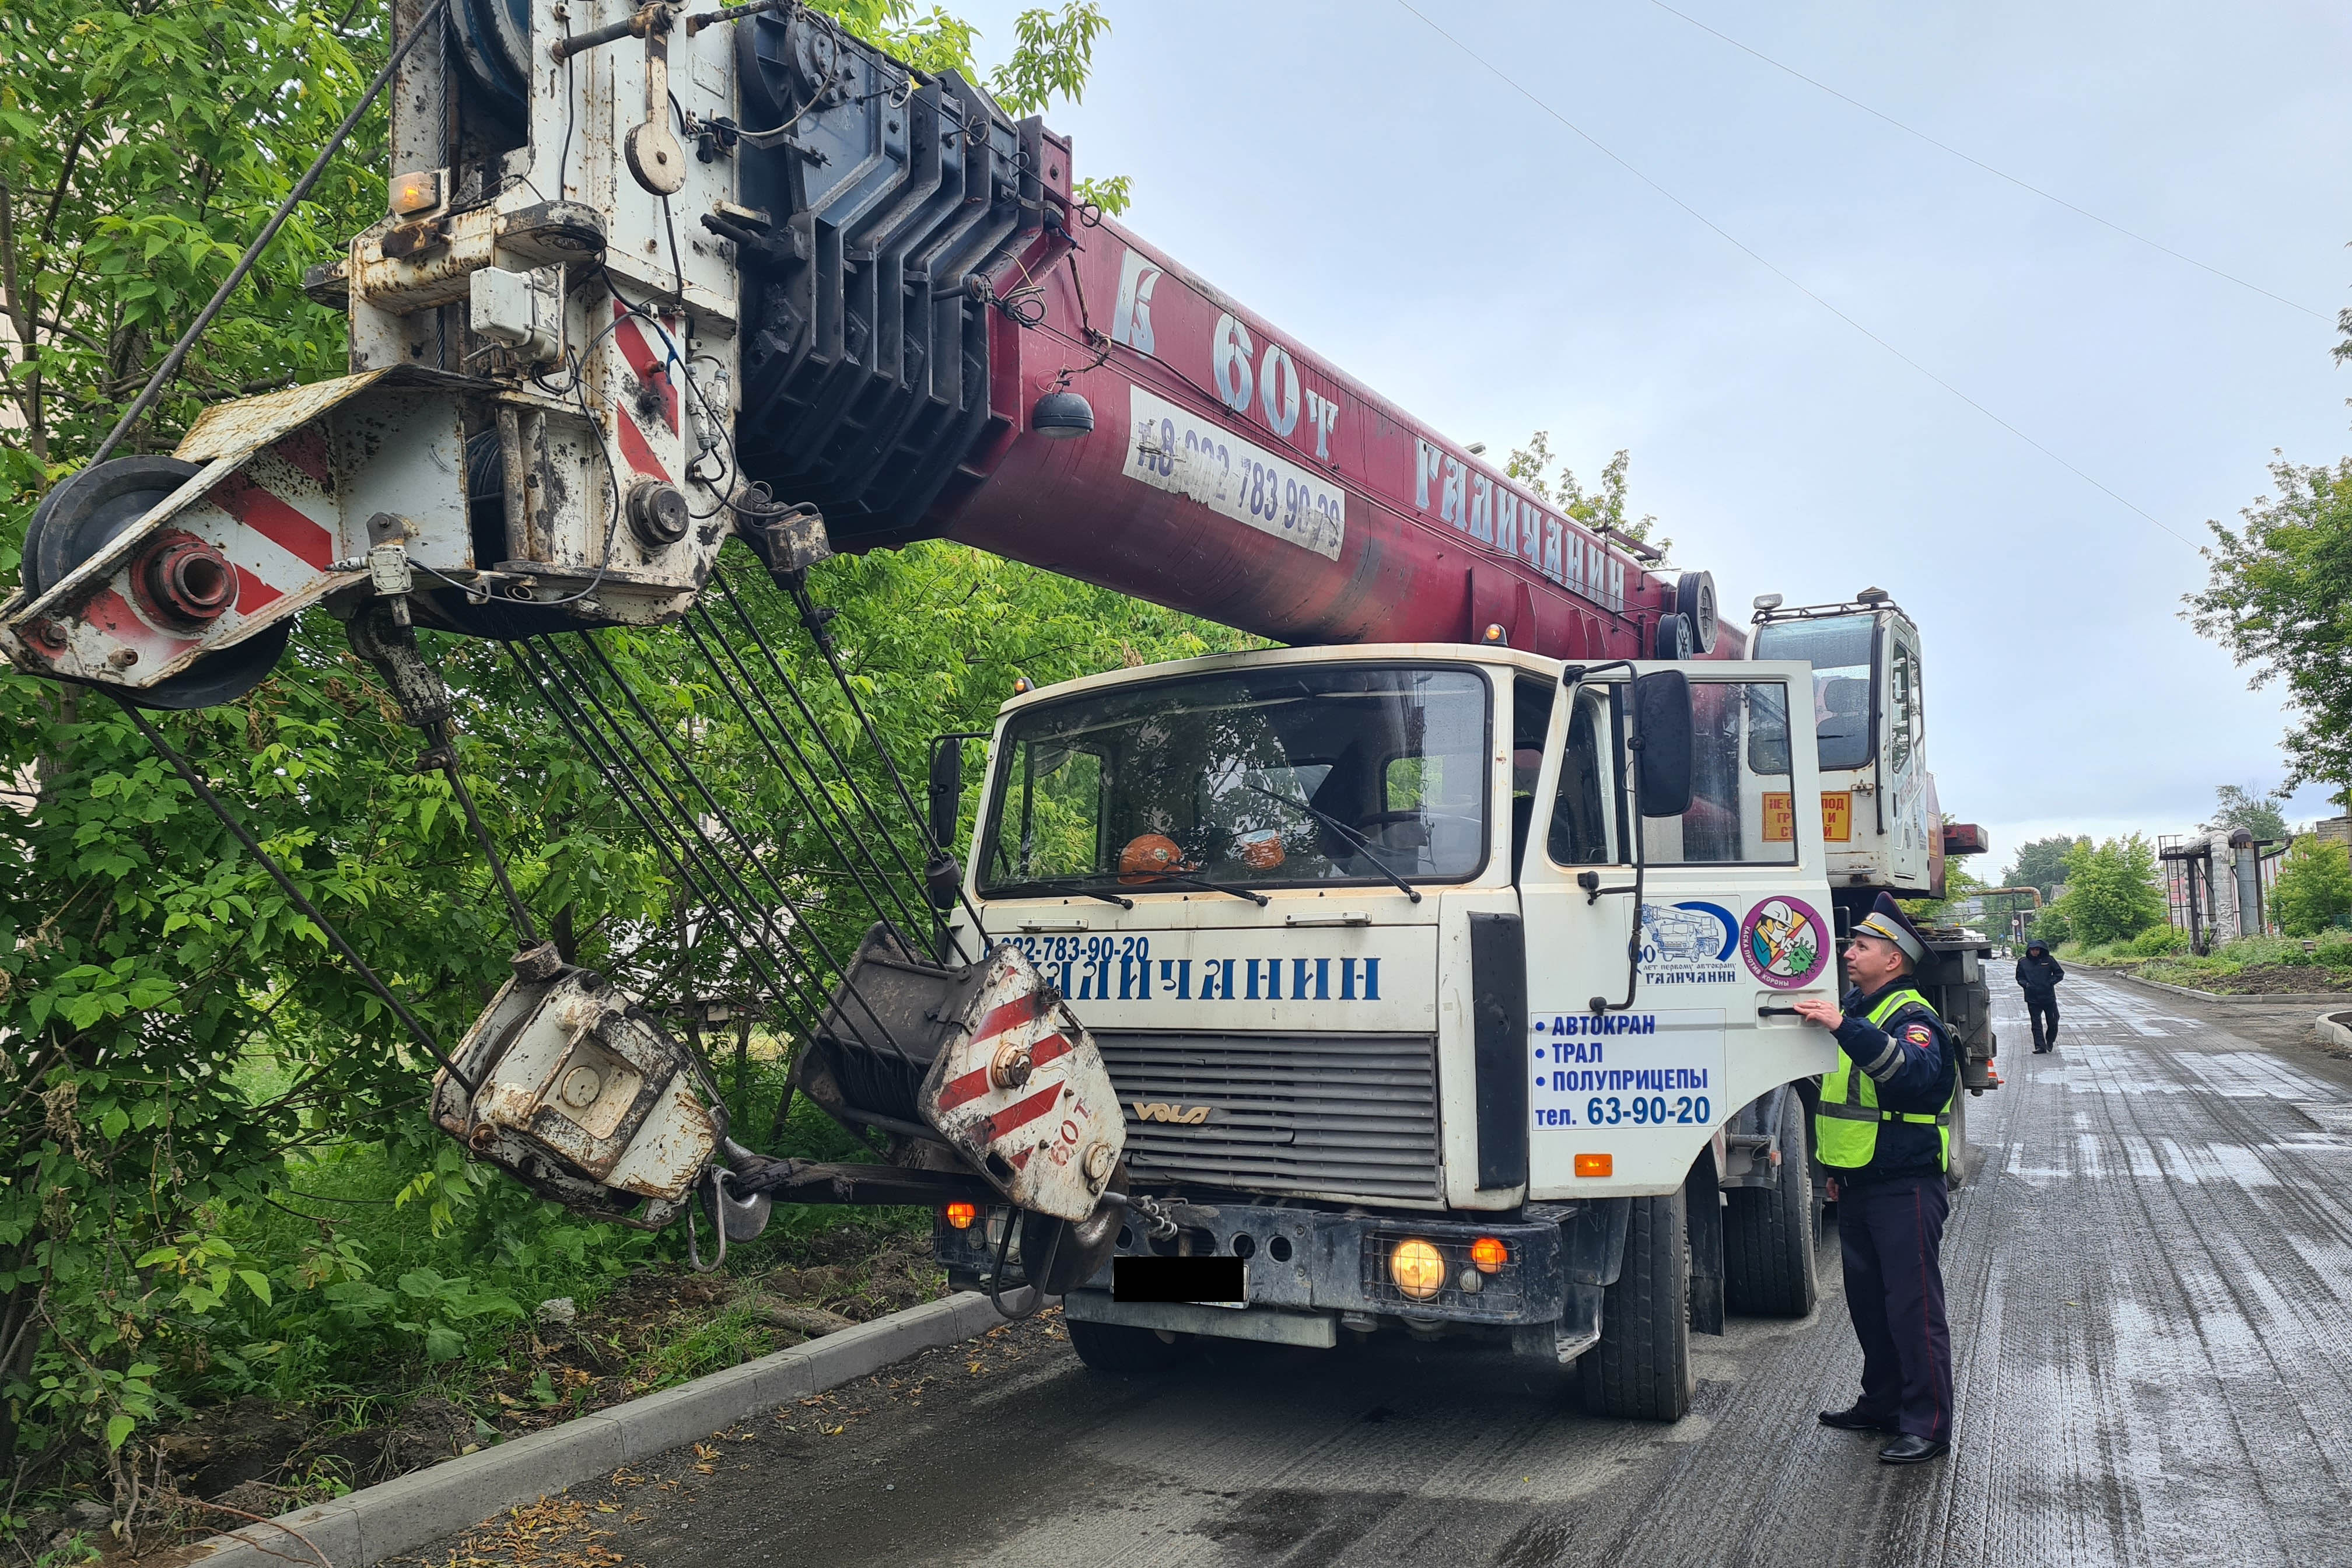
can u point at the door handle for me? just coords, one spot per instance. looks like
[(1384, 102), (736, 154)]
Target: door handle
[(1776, 1013)]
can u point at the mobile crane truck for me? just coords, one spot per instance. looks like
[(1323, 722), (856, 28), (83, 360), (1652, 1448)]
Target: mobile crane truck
[(1433, 971)]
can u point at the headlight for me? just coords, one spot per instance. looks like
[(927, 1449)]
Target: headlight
[(1418, 1270)]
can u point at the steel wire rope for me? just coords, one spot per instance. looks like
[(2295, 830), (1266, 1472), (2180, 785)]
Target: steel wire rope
[(798, 925), (1745, 249), (327, 928), (1987, 168), (816, 779), (787, 995), (786, 987), (170, 365), (782, 961), (814, 623), (882, 829), (780, 972)]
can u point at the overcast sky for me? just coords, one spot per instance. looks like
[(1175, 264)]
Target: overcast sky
[(1390, 201)]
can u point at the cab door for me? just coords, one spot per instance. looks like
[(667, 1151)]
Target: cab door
[(1636, 1064)]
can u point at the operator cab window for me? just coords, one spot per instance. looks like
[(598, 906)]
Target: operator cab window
[(1905, 717), (1531, 706), (1839, 649), (1742, 801)]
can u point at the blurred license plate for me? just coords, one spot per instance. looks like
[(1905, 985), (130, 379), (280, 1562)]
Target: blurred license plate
[(1203, 1281)]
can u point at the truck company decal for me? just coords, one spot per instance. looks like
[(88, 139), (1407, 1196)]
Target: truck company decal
[(1785, 942), (1652, 1069), (1172, 449), (1688, 943), (1121, 969)]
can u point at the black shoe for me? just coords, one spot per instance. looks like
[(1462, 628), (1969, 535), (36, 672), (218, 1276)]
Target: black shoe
[(1907, 1449), (1854, 1420)]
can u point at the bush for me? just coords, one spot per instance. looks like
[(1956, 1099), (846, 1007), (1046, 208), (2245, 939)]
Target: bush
[(2158, 940), (2315, 888), (2336, 950), (2051, 926)]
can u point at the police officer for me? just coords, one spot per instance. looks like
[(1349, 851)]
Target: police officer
[(1885, 1130)]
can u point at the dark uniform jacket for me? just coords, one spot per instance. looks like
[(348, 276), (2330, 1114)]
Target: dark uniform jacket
[(2040, 975), (1912, 1062)]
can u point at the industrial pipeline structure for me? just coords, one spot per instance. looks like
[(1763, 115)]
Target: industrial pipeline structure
[(1432, 972)]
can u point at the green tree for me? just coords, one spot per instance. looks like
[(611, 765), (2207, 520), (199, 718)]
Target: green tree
[(171, 1031), (1596, 509), (2261, 814), (2278, 596), (2314, 891), (2111, 889), (2040, 864)]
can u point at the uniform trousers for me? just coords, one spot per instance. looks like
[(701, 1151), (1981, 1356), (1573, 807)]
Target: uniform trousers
[(2042, 1007), (1892, 1233)]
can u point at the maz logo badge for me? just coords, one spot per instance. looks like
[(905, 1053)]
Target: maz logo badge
[(1159, 1111)]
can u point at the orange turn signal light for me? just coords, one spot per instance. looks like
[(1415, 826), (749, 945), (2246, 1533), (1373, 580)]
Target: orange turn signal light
[(1489, 1253), (418, 191), (961, 1216), (1595, 1164)]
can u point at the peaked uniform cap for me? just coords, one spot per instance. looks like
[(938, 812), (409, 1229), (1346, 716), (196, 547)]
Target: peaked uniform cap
[(1888, 923)]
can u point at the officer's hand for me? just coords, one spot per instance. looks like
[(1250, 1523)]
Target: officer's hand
[(1818, 1010)]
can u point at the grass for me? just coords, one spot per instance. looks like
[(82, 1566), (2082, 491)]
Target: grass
[(2249, 963), (398, 1272)]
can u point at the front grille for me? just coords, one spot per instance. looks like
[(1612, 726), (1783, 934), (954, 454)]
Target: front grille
[(1350, 1116)]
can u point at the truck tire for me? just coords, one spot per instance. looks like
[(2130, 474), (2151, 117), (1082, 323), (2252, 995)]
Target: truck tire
[(1116, 1347), (1956, 1173), (1767, 1232), (1640, 1369)]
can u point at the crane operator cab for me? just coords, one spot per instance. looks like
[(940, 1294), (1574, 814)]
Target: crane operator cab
[(1878, 806), (1440, 987)]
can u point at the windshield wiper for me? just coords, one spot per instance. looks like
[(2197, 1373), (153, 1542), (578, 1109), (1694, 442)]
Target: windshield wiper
[(1324, 817), (1200, 884), (1078, 890)]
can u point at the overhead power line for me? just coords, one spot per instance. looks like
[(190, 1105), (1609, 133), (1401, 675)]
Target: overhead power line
[(1745, 249), (1987, 168)]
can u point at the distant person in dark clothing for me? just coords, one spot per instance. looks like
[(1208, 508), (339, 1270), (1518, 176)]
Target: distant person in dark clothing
[(2038, 976)]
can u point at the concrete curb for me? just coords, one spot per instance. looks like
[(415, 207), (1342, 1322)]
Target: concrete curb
[(2332, 1032), (2233, 998), (367, 1526)]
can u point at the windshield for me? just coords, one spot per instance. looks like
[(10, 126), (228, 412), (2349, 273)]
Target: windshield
[(1838, 648), (1260, 778)]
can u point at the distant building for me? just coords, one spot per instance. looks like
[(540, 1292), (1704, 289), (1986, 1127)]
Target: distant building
[(2334, 830)]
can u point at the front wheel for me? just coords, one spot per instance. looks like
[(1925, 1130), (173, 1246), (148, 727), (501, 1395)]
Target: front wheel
[(1767, 1232), (1640, 1369), (1116, 1347)]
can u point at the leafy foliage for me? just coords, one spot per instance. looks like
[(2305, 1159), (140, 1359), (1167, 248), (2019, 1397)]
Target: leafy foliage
[(2313, 890), (2111, 891), (2040, 864), (1602, 508), (2279, 596), (187, 1077), (2261, 814)]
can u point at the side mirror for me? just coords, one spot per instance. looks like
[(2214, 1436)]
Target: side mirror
[(946, 793), (1661, 741)]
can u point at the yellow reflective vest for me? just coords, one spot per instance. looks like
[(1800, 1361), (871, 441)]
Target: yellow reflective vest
[(1846, 1128)]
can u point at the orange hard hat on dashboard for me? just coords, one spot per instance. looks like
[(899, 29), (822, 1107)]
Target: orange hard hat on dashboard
[(1150, 855)]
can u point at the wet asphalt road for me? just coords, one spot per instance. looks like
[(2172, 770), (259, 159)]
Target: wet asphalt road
[(2148, 1280)]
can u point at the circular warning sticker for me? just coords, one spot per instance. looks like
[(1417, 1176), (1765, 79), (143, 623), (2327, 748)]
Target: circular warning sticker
[(1785, 941)]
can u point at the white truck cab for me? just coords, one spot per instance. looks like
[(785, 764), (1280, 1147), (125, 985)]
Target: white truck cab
[(1398, 969)]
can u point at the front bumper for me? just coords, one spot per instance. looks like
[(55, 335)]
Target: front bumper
[(1308, 1260)]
